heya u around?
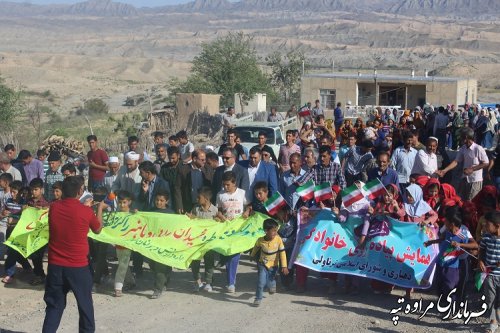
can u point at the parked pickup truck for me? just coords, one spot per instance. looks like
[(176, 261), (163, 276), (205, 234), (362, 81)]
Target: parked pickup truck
[(248, 130)]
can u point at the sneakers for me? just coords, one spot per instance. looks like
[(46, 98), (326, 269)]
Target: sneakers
[(197, 286), (272, 290), (156, 294), (207, 288), (231, 289), (256, 303)]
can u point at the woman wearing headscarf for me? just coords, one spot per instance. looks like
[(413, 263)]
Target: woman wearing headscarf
[(456, 126), (481, 126), (416, 209), (487, 191), (448, 192), (487, 142), (431, 193), (359, 127)]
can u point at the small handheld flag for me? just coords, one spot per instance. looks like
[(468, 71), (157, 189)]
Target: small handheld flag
[(306, 191), (275, 203), (323, 191)]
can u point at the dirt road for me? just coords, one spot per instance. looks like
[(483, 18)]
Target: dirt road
[(180, 310)]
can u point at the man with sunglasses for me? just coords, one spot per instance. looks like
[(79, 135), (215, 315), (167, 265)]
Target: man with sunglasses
[(229, 164)]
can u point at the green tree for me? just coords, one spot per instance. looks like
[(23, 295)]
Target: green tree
[(285, 74), (10, 106), (226, 66), (93, 106)]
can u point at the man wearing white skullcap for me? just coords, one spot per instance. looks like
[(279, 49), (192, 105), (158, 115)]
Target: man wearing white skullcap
[(129, 177), (110, 176)]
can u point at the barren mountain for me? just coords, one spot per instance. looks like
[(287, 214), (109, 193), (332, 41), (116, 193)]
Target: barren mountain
[(107, 49)]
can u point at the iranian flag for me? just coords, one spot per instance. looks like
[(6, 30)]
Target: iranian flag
[(480, 277), (323, 191), (304, 111), (275, 203), (374, 189), (351, 195), (451, 254), (306, 191)]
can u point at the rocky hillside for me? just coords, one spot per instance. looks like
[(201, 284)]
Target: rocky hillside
[(109, 8)]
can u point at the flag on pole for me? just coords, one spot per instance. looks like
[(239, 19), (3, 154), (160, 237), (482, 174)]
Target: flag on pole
[(306, 191), (451, 253), (304, 111), (351, 195), (373, 189), (322, 192), (275, 203), (480, 277)]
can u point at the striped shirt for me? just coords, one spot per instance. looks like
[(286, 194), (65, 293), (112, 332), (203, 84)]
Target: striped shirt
[(272, 252), (491, 246)]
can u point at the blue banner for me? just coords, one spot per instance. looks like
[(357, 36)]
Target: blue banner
[(394, 251)]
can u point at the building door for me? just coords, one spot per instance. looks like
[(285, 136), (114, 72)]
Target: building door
[(392, 95)]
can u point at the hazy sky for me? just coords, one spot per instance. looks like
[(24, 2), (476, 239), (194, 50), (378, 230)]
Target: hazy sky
[(137, 3)]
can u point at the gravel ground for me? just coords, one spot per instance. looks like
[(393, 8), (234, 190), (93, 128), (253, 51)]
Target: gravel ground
[(181, 310)]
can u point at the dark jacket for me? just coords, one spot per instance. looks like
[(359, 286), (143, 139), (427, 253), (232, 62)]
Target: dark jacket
[(183, 186), (241, 179), (149, 205)]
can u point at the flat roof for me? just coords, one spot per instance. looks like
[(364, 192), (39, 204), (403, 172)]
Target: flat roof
[(386, 77)]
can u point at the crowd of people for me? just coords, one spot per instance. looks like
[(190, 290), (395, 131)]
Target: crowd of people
[(400, 149)]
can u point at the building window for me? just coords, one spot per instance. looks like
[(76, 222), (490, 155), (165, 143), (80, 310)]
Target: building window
[(327, 98)]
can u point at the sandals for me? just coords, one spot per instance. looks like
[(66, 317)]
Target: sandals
[(7, 279)]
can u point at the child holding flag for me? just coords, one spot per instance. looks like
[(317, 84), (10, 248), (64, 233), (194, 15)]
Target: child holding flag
[(452, 243), (272, 255), (489, 263)]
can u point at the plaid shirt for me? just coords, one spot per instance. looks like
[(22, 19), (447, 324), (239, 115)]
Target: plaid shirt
[(50, 178), (321, 174)]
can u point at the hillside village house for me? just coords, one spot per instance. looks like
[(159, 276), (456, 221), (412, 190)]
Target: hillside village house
[(380, 89)]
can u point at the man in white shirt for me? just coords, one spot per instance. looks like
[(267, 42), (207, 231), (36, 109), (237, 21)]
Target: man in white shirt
[(6, 167), (186, 147), (317, 109), (474, 160), (129, 177), (403, 159), (111, 174), (426, 160)]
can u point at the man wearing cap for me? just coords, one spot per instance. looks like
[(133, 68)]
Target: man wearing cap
[(98, 164), (112, 173), (54, 174), (357, 161), (426, 160), (129, 177)]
